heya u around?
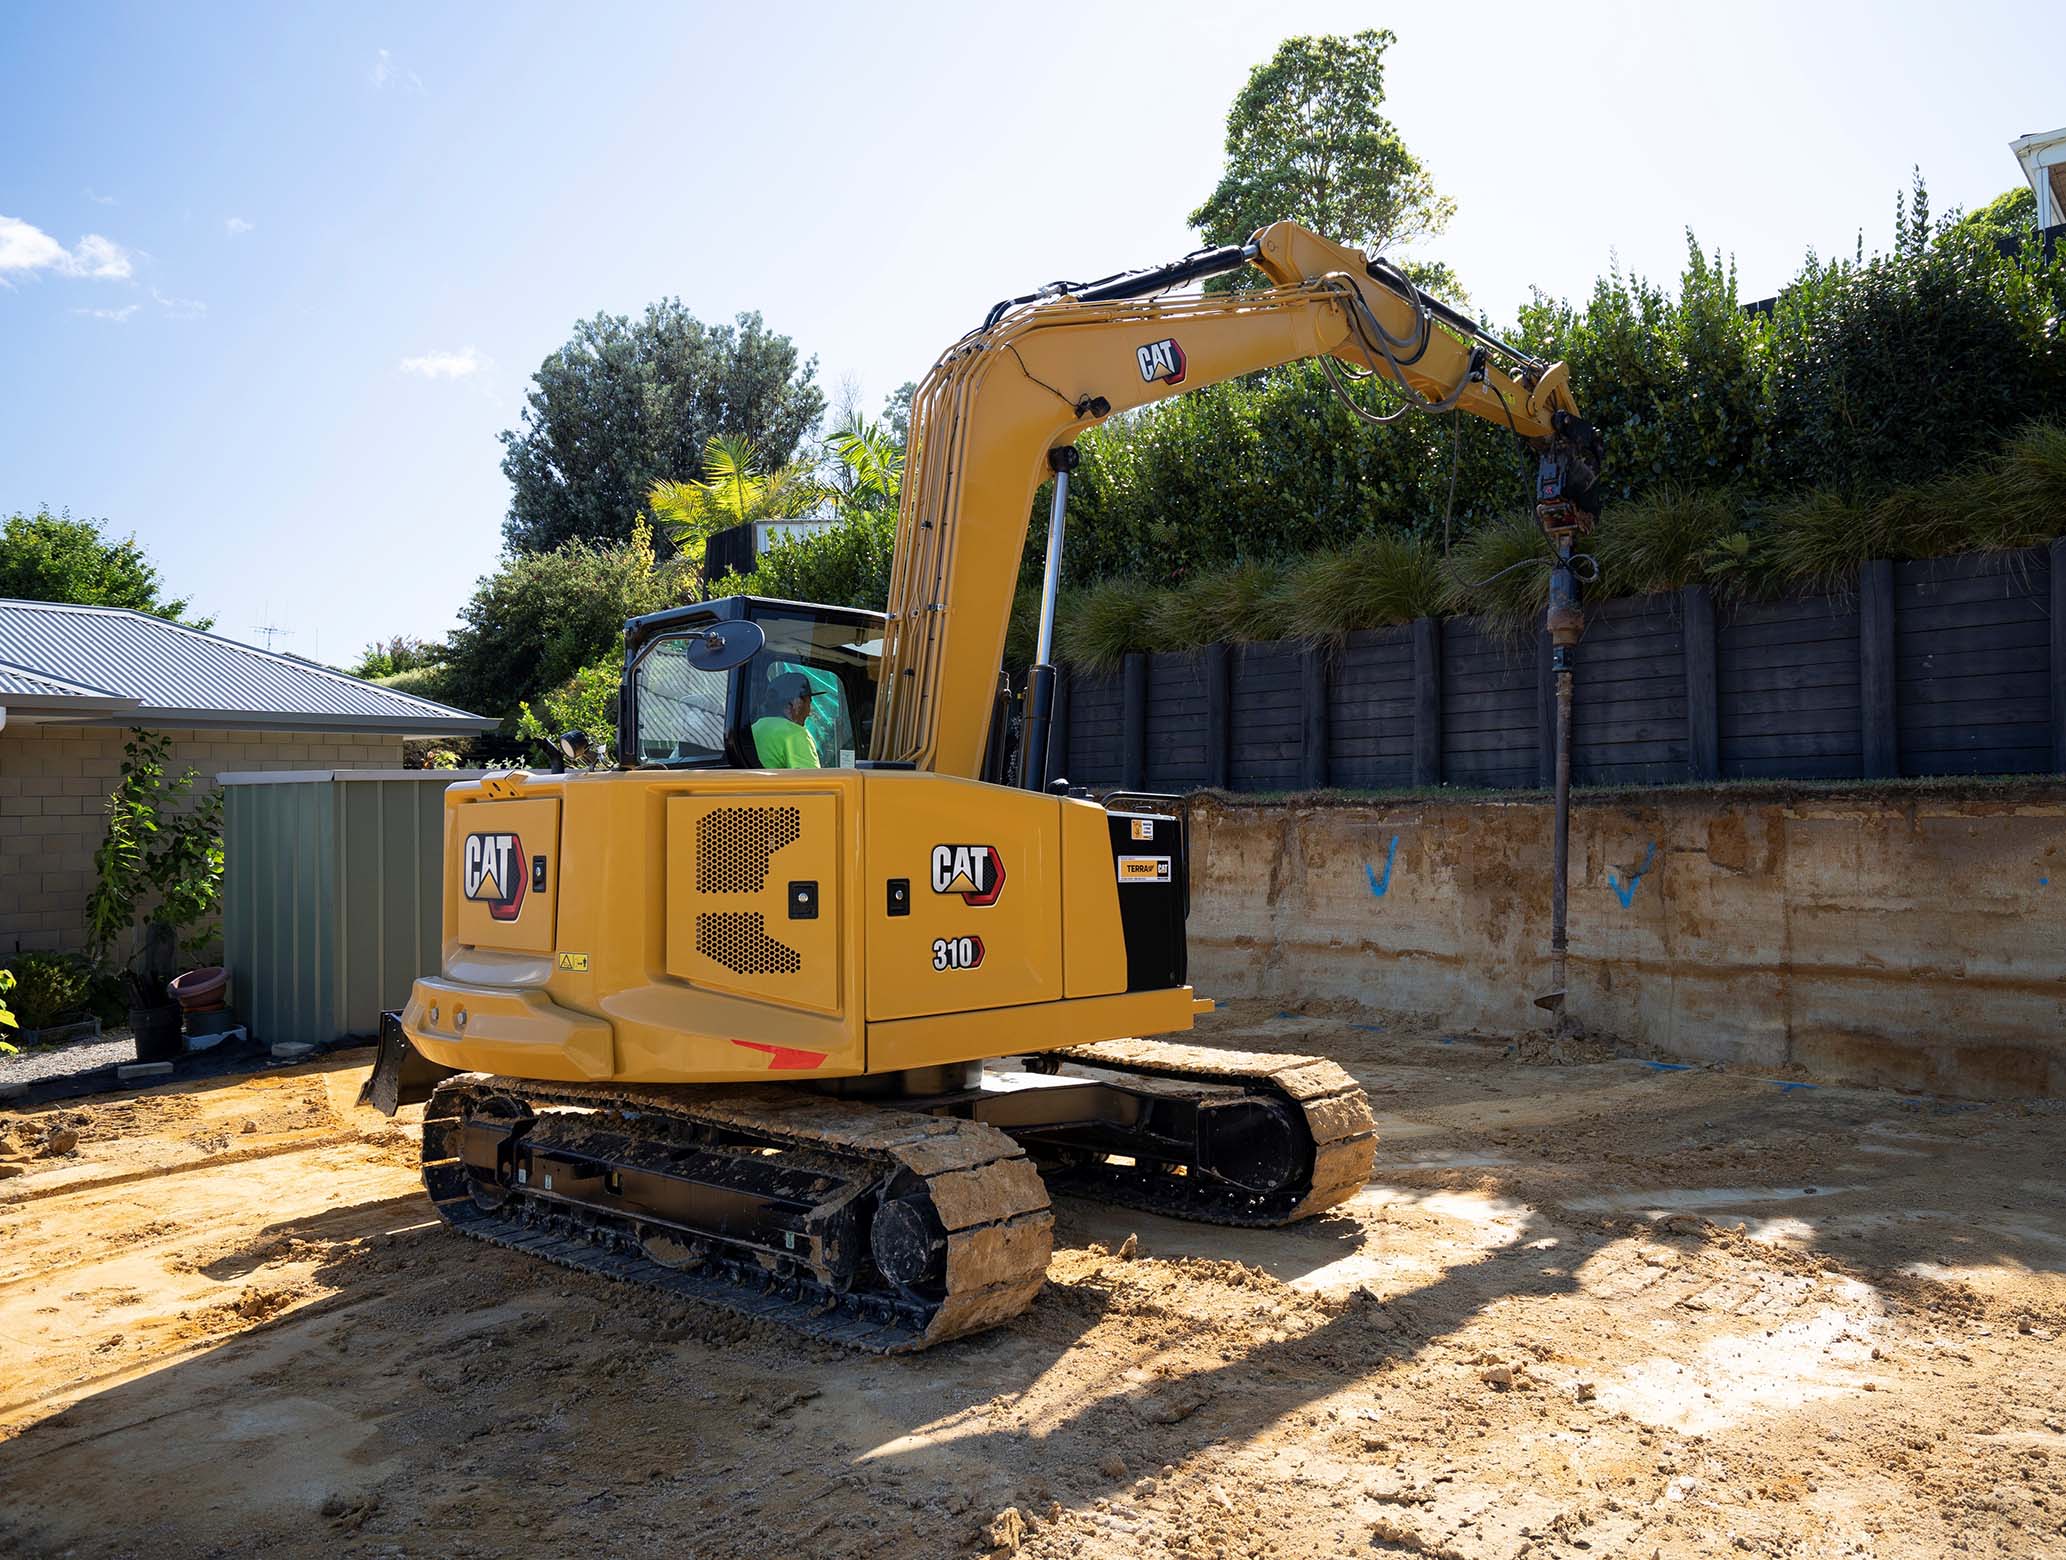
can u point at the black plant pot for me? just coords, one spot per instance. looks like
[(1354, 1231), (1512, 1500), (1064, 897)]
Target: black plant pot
[(157, 1031)]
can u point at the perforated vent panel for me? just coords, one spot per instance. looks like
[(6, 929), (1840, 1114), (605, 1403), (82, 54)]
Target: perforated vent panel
[(733, 846), (740, 942)]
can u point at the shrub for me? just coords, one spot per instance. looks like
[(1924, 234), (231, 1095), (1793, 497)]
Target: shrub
[(1107, 622), (49, 988), (161, 861), (1240, 603), (2018, 499), (587, 702), (425, 682), (1661, 541), (1738, 545), (1861, 376), (1894, 369), (1373, 582), (1268, 467), (845, 566), (1500, 572)]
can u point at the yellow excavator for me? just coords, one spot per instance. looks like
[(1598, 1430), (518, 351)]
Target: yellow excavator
[(815, 1043)]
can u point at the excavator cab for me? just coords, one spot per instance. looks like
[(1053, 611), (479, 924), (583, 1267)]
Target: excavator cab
[(696, 678)]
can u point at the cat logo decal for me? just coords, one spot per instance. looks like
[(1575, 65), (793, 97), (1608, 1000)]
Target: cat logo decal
[(975, 872), (493, 873), (1163, 360)]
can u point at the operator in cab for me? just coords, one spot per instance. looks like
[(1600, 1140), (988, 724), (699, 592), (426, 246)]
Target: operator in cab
[(783, 741)]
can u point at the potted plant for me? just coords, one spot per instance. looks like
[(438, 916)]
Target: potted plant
[(161, 867)]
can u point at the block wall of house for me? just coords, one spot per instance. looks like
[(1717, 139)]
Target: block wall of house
[(54, 785)]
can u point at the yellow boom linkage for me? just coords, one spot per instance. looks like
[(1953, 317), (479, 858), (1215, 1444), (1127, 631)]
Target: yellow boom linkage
[(987, 416)]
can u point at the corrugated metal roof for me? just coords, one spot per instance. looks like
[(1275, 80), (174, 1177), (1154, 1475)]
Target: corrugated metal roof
[(176, 672), (21, 680)]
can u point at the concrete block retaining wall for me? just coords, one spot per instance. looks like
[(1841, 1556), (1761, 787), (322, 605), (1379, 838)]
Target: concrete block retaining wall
[(1918, 942)]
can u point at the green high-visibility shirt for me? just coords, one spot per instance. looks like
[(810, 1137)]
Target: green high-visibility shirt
[(782, 744)]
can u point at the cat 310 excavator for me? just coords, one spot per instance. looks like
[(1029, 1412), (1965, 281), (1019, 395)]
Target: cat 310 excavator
[(814, 1044)]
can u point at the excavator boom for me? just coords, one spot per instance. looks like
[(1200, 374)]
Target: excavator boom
[(1046, 367)]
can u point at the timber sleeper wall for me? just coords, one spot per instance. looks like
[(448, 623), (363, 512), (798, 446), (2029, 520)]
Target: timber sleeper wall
[(1947, 666)]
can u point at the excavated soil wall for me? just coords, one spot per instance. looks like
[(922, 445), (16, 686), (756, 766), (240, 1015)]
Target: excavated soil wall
[(1917, 941)]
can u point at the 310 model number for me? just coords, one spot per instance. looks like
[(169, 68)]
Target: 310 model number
[(957, 953)]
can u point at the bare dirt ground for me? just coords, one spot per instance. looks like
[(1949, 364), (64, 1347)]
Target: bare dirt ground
[(1582, 1309)]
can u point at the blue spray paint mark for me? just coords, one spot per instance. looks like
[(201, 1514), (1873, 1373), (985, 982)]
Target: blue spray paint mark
[(1379, 886), (1625, 895), (1287, 1015), (1787, 1086), (1368, 1029), (1667, 1066), (2044, 882)]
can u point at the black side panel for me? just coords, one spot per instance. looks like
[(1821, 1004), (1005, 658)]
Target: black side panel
[(1148, 854)]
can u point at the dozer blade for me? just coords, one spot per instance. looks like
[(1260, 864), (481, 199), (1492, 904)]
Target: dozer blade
[(1245, 1137), (877, 1228), (401, 1075)]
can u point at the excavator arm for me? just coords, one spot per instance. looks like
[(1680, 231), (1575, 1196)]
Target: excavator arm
[(1003, 407)]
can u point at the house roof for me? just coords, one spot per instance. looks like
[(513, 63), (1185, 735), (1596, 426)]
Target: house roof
[(114, 666), (23, 689)]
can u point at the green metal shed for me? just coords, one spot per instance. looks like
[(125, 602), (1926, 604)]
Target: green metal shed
[(332, 901)]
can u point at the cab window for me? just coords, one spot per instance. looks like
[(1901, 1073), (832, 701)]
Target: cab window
[(681, 710)]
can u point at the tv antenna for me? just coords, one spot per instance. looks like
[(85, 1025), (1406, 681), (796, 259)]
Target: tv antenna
[(273, 631)]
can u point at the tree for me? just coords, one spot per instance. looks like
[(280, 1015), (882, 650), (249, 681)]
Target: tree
[(2010, 215), (873, 458), (398, 653), (626, 403), (542, 617), (896, 411), (1306, 140), (737, 486), (52, 557)]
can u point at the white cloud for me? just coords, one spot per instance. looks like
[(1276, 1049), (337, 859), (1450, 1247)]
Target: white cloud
[(179, 308), (99, 200), (103, 258), (26, 247), (386, 72), (444, 365), (235, 225), (113, 316)]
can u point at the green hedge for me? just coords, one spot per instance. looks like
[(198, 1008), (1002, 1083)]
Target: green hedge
[(1729, 539), (1863, 375)]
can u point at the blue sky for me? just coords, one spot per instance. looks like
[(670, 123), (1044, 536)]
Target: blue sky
[(273, 277)]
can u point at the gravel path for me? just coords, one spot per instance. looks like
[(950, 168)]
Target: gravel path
[(37, 1064)]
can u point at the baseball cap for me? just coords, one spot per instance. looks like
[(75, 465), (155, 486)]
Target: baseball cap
[(791, 685)]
